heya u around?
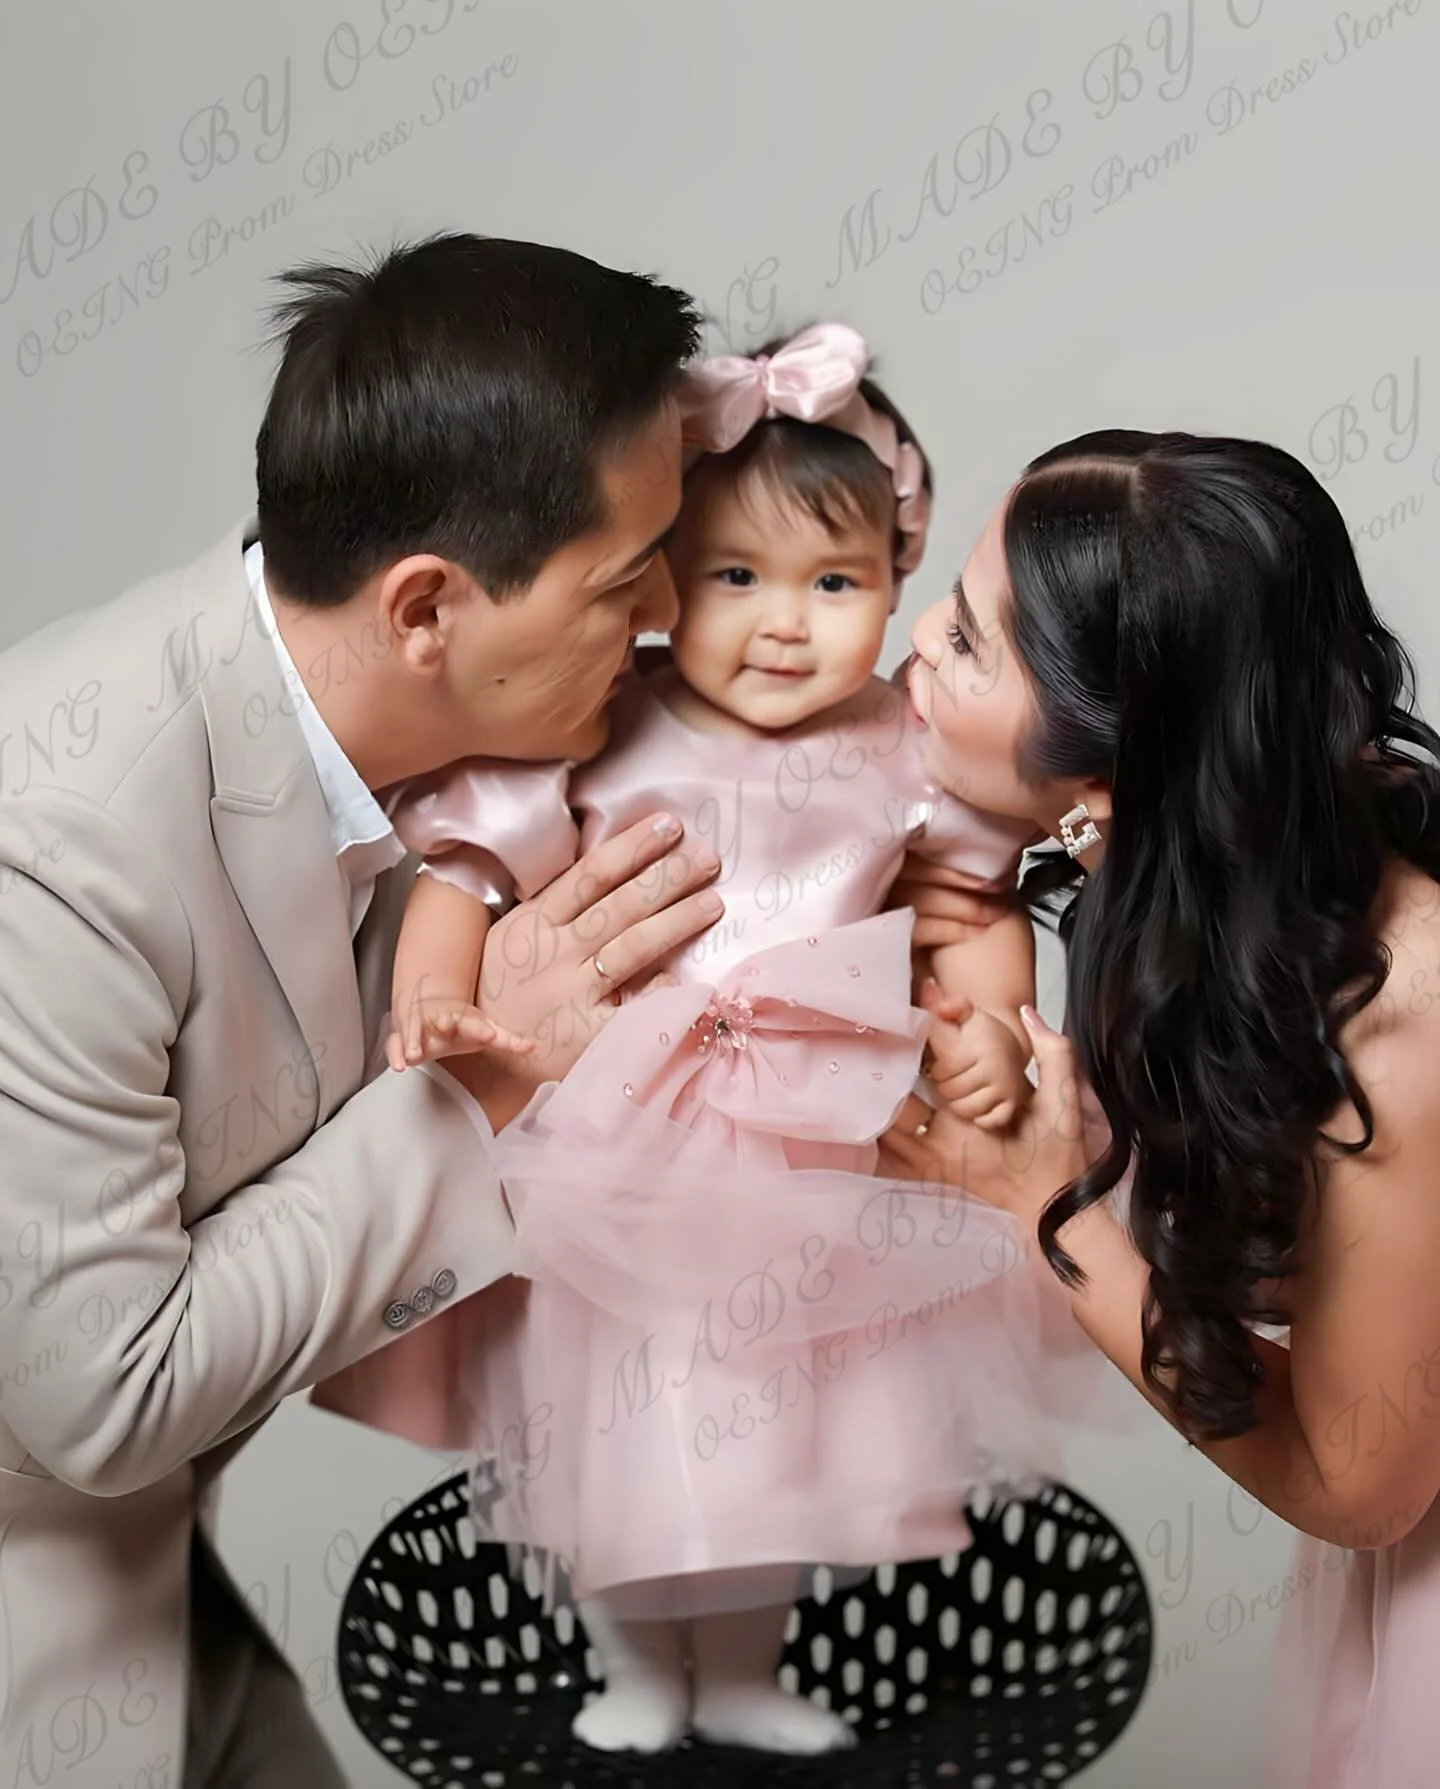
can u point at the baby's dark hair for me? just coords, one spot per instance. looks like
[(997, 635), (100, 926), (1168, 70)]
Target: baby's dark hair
[(832, 475)]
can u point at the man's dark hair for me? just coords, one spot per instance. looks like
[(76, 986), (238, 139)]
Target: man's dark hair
[(454, 396)]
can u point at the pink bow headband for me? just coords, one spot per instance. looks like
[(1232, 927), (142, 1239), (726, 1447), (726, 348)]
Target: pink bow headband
[(815, 377)]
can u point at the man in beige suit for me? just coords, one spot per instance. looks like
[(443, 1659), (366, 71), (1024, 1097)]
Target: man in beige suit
[(213, 1193)]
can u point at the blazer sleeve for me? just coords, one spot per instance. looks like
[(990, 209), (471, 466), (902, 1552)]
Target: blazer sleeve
[(134, 1341)]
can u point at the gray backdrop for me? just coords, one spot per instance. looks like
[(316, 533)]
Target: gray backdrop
[(1209, 214)]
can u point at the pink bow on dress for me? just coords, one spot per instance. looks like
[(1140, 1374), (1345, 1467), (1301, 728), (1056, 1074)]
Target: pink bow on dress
[(713, 1133), (810, 1039), (814, 378)]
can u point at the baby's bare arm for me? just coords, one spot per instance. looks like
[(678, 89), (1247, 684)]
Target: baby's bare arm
[(442, 938), (433, 1000), (984, 1079), (995, 971)]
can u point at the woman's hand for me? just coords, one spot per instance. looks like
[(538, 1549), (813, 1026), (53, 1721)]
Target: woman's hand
[(556, 967), (1020, 1170), (946, 911)]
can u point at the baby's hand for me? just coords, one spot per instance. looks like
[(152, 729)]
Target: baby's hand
[(978, 1068), (435, 1026)]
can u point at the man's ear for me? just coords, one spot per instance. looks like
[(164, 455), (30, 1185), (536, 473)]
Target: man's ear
[(416, 606)]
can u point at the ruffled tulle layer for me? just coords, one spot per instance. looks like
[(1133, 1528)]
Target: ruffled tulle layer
[(717, 1367), (732, 1350)]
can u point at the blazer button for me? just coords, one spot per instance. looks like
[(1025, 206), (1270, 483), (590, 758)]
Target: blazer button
[(422, 1301), (443, 1284), (397, 1315)]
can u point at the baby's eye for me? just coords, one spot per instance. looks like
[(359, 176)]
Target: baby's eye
[(832, 582), (738, 577)]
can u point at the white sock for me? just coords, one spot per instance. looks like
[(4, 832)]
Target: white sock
[(646, 1700), (737, 1699)]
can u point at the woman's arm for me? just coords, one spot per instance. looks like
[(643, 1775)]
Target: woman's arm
[(1275, 1462), (1347, 1447)]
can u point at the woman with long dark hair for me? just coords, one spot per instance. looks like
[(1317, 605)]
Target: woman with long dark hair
[(1161, 650)]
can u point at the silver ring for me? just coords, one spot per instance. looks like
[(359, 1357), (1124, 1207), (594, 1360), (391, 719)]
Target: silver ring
[(923, 1128), (601, 970)]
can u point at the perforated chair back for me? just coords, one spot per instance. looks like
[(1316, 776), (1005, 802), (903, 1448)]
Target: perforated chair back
[(1014, 1664)]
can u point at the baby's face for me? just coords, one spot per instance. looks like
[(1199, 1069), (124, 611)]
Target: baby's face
[(779, 619)]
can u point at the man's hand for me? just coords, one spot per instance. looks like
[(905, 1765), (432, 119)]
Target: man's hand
[(556, 967)]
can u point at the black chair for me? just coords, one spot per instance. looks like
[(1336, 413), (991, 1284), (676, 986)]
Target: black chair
[(1015, 1664)]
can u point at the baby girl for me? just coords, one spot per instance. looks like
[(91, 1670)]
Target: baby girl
[(732, 1351)]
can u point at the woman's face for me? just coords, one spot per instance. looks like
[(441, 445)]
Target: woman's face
[(970, 690)]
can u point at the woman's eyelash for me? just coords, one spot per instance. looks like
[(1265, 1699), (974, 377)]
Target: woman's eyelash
[(955, 634)]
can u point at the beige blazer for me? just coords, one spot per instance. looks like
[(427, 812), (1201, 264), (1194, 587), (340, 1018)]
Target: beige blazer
[(206, 1202)]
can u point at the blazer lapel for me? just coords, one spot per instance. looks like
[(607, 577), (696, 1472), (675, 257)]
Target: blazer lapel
[(270, 822)]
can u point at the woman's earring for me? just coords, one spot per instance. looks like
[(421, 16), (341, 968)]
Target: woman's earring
[(1088, 835)]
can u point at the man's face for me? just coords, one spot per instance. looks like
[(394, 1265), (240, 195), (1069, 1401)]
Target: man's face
[(531, 677)]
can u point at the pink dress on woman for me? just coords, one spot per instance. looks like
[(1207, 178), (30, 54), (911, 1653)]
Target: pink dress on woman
[(1352, 1698), (731, 1344)]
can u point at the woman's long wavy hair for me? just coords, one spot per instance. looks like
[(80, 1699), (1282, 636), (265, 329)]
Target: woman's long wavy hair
[(1197, 634)]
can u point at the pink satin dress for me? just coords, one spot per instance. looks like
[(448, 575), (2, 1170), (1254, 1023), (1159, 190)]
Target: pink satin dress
[(731, 1345)]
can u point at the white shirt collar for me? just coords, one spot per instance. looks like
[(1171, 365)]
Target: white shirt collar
[(364, 841), (356, 818)]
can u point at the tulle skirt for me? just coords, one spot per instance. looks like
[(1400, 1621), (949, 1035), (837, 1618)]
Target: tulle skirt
[(734, 1349)]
